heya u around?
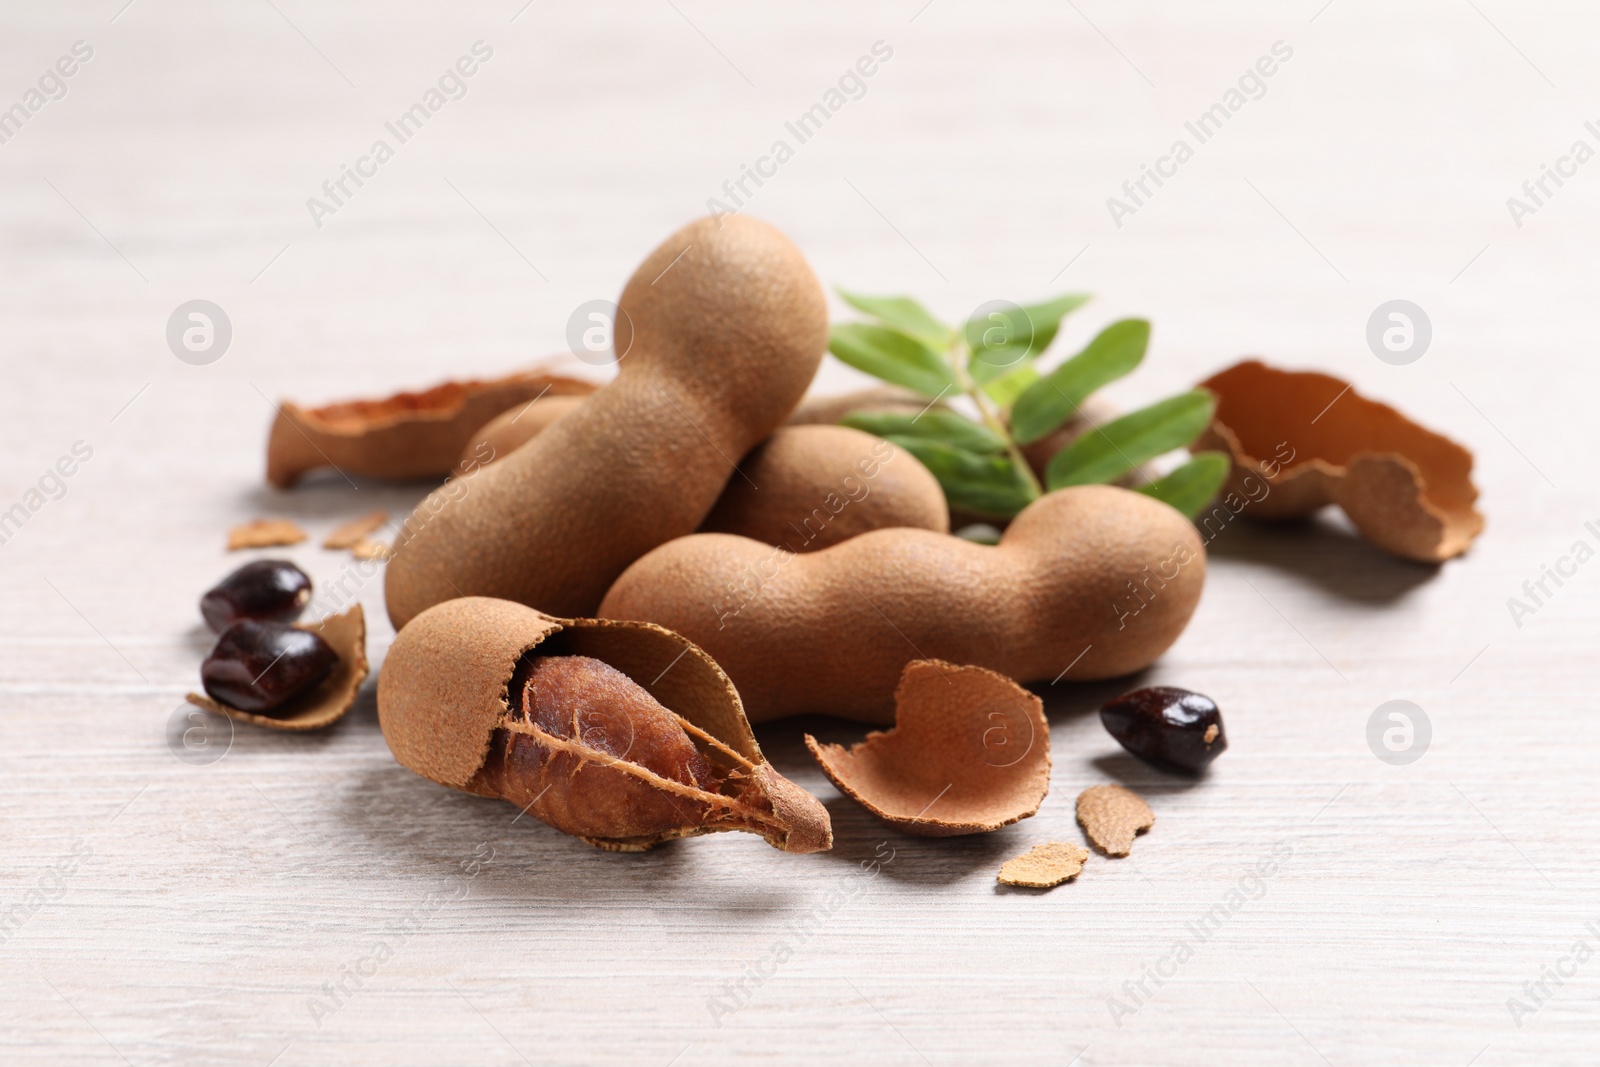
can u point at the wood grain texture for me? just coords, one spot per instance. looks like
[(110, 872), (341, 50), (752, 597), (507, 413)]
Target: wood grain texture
[(159, 911)]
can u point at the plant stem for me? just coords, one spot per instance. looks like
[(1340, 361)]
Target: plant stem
[(991, 417)]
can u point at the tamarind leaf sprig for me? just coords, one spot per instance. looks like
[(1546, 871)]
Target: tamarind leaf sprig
[(994, 361)]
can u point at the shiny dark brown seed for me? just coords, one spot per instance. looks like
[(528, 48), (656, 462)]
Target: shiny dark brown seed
[(1172, 728), (258, 666), (271, 590)]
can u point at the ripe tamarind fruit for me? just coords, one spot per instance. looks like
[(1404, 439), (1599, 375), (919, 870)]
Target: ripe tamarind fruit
[(728, 325), (809, 487), (1087, 582), (623, 734)]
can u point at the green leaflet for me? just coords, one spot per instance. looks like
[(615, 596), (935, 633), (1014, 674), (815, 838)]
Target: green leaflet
[(943, 426), (1120, 445), (1193, 485), (903, 343), (1005, 337), (904, 314), (1054, 398), (893, 356), (988, 485), (1005, 390)]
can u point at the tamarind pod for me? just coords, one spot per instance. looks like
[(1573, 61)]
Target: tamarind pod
[(1087, 582), (720, 330)]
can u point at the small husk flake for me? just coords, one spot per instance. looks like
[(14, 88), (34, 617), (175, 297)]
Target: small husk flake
[(352, 533), (264, 533), (1112, 817), (1044, 866)]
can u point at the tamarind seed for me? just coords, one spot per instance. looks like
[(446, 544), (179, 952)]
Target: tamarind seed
[(1172, 728), (587, 701), (269, 590), (258, 666)]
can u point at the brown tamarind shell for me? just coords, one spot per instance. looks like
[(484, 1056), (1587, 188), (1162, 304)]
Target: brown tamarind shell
[(406, 435), (1407, 489)]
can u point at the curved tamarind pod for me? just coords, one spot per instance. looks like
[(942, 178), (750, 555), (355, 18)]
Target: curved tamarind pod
[(809, 487), (1088, 582), (622, 734), (720, 331), (513, 428)]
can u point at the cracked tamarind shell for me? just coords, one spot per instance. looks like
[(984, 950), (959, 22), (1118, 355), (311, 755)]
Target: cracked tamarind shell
[(728, 327), (1086, 583), (1407, 489), (407, 435), (446, 711), (969, 753)]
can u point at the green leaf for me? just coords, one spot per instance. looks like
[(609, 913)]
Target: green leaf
[(904, 314), (1193, 485), (1114, 352), (979, 533), (1122, 444), (945, 426), (895, 357), (986, 366), (988, 485), (1005, 390), (1005, 336)]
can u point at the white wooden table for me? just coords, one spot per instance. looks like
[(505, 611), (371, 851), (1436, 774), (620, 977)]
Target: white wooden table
[(164, 912)]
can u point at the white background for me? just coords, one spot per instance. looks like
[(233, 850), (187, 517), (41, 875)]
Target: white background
[(218, 899)]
